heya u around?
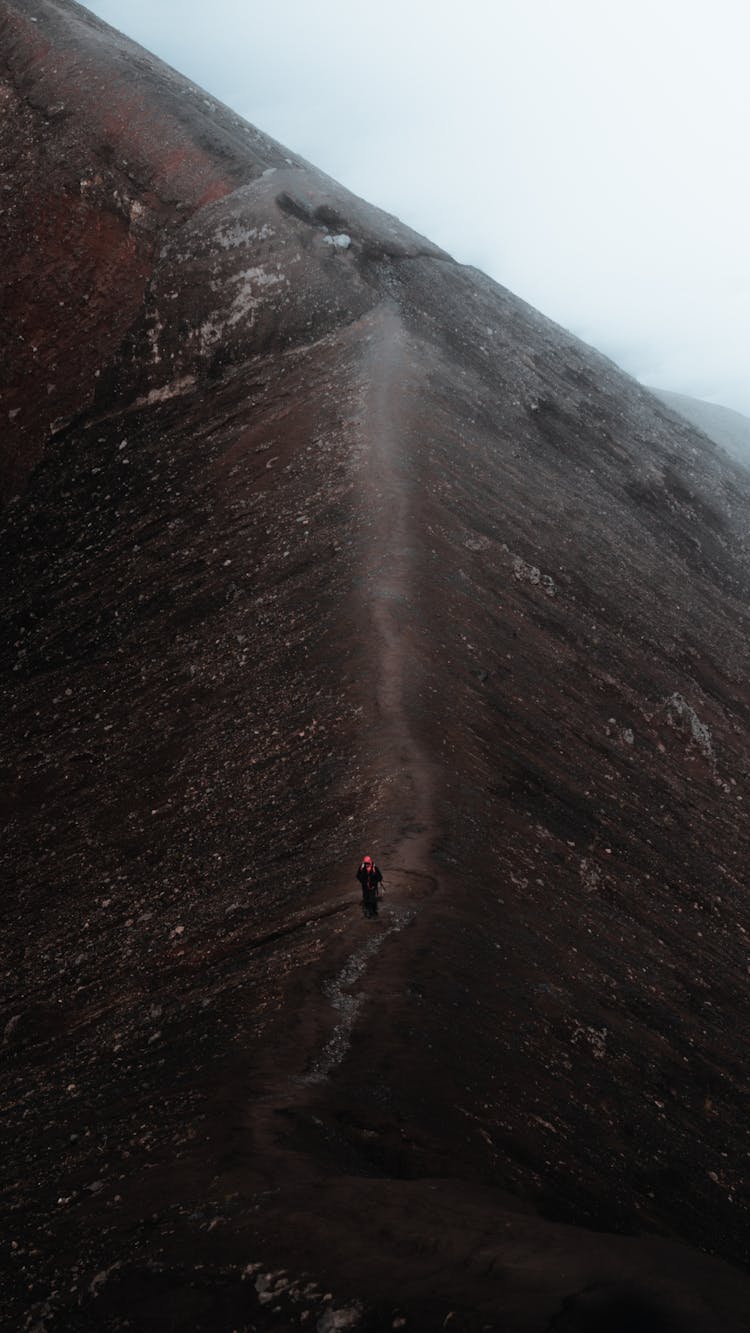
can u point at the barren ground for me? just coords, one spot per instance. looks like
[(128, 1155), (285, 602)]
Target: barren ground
[(316, 547)]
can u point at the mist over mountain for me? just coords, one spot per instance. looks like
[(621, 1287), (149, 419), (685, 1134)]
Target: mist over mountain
[(726, 427), (318, 543)]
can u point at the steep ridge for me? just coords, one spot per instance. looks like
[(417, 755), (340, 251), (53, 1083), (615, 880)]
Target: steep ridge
[(723, 425), (391, 382), (346, 548)]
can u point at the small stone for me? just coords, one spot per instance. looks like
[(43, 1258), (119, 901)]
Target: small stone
[(339, 242), (331, 1321), (10, 1027)]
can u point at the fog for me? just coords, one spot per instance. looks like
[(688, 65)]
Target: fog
[(590, 156)]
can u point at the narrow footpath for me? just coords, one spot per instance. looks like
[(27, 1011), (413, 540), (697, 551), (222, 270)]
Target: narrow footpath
[(390, 390), (353, 960), (386, 487)]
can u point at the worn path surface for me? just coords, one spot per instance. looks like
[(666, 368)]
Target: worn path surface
[(345, 990)]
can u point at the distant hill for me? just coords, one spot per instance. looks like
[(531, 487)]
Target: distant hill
[(726, 427)]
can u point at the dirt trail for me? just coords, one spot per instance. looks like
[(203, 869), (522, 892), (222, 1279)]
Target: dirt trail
[(307, 1058), (386, 486), (390, 390)]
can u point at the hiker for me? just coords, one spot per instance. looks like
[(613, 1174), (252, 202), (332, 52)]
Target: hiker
[(369, 877)]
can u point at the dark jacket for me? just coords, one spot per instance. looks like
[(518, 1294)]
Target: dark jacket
[(369, 879)]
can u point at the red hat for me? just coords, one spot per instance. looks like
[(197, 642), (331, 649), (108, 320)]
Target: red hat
[(367, 860)]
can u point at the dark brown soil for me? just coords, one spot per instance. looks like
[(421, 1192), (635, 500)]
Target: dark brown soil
[(322, 544)]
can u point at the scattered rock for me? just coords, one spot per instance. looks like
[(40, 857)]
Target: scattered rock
[(344, 1317), (10, 1028)]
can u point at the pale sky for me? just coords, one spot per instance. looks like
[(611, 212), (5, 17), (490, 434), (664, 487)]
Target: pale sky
[(591, 156)]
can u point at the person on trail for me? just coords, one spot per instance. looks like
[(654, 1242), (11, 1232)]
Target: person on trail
[(369, 877)]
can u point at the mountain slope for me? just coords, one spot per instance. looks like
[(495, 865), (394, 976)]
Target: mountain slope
[(107, 153), (726, 427), (345, 548)]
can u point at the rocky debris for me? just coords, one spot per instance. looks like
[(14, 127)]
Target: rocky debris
[(530, 574), (345, 546), (345, 1317)]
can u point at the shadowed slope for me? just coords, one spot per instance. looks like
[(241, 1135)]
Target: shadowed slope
[(347, 546)]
